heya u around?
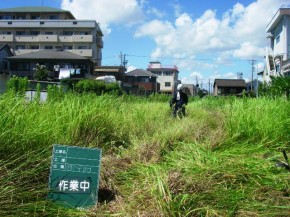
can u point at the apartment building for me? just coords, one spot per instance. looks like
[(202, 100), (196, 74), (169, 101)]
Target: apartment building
[(278, 55), (30, 29), (167, 76)]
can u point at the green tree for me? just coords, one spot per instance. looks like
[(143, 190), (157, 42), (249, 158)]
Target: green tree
[(40, 72)]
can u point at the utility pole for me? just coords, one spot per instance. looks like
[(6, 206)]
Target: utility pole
[(123, 60), (253, 69), (208, 86)]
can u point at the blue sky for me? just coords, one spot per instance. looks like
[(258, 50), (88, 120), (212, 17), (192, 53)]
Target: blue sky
[(205, 39)]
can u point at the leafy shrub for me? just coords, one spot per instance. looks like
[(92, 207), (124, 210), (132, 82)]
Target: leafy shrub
[(98, 87), (278, 86), (40, 72)]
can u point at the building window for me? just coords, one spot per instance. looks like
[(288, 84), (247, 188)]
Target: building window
[(53, 17), (167, 84), (20, 33), (48, 33), (34, 32), (18, 47), (20, 66), (145, 80), (5, 17), (21, 17), (34, 47), (35, 17), (67, 47), (82, 47), (277, 68), (6, 33), (67, 33), (48, 47), (277, 39), (167, 73)]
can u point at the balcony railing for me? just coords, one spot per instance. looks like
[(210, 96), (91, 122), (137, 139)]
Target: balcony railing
[(6, 38)]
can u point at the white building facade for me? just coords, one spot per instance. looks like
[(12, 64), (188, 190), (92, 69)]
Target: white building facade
[(167, 76), (29, 29), (278, 55)]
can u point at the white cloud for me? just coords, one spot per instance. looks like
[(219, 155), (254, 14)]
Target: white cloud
[(106, 12), (239, 33), (155, 12)]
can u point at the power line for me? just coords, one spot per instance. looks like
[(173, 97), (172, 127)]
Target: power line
[(192, 59)]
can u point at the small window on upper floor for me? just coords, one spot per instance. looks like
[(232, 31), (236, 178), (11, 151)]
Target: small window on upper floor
[(20, 33), (48, 47), (5, 17), (67, 47), (277, 68), (167, 73), (277, 39), (48, 33), (34, 32), (18, 47), (34, 47), (35, 17), (53, 17), (167, 84), (82, 47), (22, 17), (67, 33)]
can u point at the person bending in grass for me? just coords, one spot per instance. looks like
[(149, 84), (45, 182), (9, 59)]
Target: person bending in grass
[(179, 100)]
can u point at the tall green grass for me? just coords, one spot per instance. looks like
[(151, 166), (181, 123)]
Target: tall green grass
[(217, 161)]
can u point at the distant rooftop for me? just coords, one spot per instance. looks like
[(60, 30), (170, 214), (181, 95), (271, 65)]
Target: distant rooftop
[(35, 9), (140, 72), (49, 54), (229, 82)]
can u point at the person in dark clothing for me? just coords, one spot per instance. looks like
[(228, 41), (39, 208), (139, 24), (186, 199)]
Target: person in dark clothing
[(179, 100)]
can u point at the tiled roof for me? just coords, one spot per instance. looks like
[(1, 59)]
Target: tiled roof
[(230, 83), (140, 72), (49, 54)]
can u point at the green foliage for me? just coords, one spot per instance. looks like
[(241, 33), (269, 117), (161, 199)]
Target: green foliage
[(40, 72), (54, 92), (38, 92), (279, 86), (98, 87), (17, 85)]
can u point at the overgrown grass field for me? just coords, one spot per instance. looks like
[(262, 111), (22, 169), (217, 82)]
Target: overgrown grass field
[(217, 161)]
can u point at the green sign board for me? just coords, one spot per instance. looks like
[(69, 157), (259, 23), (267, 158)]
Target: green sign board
[(74, 175)]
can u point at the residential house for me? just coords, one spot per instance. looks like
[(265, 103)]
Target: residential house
[(190, 89), (140, 82), (223, 87), (4, 71), (278, 56), (60, 63), (167, 76), (30, 29), (117, 71), (253, 85)]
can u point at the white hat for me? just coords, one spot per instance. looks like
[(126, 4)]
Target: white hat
[(179, 87)]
